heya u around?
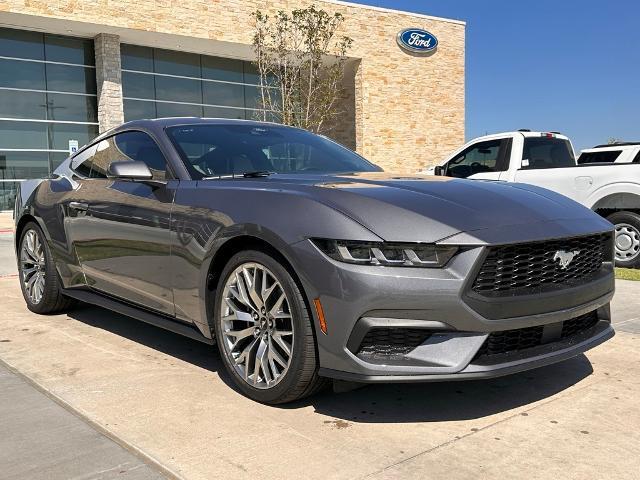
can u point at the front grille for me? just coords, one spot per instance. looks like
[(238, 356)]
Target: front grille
[(391, 342), (510, 341), (528, 268)]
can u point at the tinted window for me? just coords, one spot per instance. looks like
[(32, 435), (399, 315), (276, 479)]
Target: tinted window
[(637, 159), (480, 158), (608, 156), (139, 146), (544, 152), (81, 163), (213, 150)]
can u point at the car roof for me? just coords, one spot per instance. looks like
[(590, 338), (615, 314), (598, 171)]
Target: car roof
[(171, 121), (616, 146)]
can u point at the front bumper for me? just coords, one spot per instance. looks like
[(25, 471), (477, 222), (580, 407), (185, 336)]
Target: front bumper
[(436, 300)]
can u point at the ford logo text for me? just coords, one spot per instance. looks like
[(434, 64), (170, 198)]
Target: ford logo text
[(417, 40)]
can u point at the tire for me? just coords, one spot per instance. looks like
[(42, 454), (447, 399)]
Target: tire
[(627, 238), (39, 280), (262, 332)]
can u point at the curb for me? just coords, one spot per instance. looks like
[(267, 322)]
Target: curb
[(148, 459), (6, 230)]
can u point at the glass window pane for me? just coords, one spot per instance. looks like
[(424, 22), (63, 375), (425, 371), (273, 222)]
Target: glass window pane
[(177, 110), (227, 94), (75, 108), (140, 147), (22, 104), (251, 74), (8, 195), (63, 78), (61, 133), (138, 110), (253, 97), (23, 165), (176, 63), (23, 135), (136, 58), (217, 68), (17, 74), (178, 89), (68, 49), (138, 85), (220, 112), (21, 44)]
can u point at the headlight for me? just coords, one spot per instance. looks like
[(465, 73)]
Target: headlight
[(389, 254)]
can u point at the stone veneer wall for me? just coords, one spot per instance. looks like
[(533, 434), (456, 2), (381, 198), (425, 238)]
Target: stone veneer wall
[(408, 111), (109, 81)]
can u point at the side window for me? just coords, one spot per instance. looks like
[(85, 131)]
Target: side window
[(479, 158), (637, 159), (81, 163), (140, 147), (608, 156), (128, 146)]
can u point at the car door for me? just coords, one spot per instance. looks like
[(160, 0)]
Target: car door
[(126, 253), (480, 161)]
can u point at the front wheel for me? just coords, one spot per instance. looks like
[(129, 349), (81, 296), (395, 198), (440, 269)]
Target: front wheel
[(263, 330), (627, 244)]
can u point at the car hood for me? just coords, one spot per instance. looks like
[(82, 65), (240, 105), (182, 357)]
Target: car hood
[(427, 208)]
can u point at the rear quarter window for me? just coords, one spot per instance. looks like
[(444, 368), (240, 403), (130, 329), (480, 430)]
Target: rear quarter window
[(608, 156)]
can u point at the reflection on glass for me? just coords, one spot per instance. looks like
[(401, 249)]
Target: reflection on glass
[(176, 63), (136, 58), (226, 69), (23, 165), (138, 110), (177, 110), (221, 112), (76, 108), (227, 94), (21, 44), (63, 78), (61, 133), (68, 50), (22, 104), (138, 85), (18, 74), (56, 158), (7, 194), (23, 135), (178, 89)]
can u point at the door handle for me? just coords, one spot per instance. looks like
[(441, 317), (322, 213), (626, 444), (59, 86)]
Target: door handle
[(79, 206)]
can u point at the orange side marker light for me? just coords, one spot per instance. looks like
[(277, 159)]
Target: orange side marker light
[(320, 312)]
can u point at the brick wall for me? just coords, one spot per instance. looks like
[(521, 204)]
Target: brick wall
[(109, 81), (406, 111)]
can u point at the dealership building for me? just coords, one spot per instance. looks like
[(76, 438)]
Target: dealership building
[(70, 69)]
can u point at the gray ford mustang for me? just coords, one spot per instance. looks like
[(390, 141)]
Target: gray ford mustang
[(306, 262)]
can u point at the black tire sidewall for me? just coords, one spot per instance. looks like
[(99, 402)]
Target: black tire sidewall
[(302, 328), (631, 219)]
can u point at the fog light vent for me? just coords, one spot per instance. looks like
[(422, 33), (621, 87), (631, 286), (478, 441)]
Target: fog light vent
[(380, 343)]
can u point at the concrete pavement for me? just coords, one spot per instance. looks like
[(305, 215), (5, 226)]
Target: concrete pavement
[(167, 398)]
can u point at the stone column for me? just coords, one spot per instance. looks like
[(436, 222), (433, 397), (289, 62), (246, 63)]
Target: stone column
[(109, 80)]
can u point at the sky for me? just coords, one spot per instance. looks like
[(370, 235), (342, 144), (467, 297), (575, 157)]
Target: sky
[(566, 65)]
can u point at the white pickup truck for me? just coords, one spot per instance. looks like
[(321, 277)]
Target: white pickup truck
[(548, 160)]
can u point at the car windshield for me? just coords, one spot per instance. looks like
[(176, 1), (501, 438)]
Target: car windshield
[(210, 150), (546, 152)]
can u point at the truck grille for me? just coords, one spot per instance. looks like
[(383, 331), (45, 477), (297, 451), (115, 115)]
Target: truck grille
[(522, 338), (528, 268), (391, 342)]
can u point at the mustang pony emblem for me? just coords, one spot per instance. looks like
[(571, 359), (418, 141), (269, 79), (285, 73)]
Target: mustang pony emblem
[(565, 258)]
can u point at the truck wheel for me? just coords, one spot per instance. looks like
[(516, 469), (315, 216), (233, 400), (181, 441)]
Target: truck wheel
[(627, 238)]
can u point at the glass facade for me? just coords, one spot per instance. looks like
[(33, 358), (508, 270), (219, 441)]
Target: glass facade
[(47, 100), (163, 83)]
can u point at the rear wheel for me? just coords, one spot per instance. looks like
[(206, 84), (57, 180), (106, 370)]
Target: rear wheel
[(38, 277), (263, 330), (627, 244)]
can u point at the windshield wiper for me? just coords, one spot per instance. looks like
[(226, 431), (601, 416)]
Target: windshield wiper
[(256, 174)]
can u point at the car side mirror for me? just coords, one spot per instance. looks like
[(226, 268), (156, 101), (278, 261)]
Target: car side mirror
[(438, 170), (129, 171)]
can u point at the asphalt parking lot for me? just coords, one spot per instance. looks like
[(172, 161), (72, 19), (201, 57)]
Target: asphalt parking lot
[(160, 405)]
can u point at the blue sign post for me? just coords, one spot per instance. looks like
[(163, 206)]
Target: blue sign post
[(417, 40)]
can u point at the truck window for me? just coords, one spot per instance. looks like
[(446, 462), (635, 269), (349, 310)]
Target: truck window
[(479, 158), (607, 156), (545, 152)]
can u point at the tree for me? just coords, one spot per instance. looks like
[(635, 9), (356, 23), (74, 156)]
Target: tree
[(300, 59)]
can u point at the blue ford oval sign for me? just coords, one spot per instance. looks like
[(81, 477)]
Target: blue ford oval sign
[(417, 40)]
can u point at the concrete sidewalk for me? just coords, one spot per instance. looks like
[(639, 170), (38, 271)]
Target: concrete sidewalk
[(42, 440), (167, 397)]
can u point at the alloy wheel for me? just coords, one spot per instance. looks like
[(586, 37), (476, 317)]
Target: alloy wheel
[(256, 325), (32, 266), (627, 242)]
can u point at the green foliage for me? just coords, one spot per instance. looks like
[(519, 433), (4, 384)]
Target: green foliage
[(627, 274), (301, 59)]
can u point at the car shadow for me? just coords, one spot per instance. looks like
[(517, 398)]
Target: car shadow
[(381, 403)]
